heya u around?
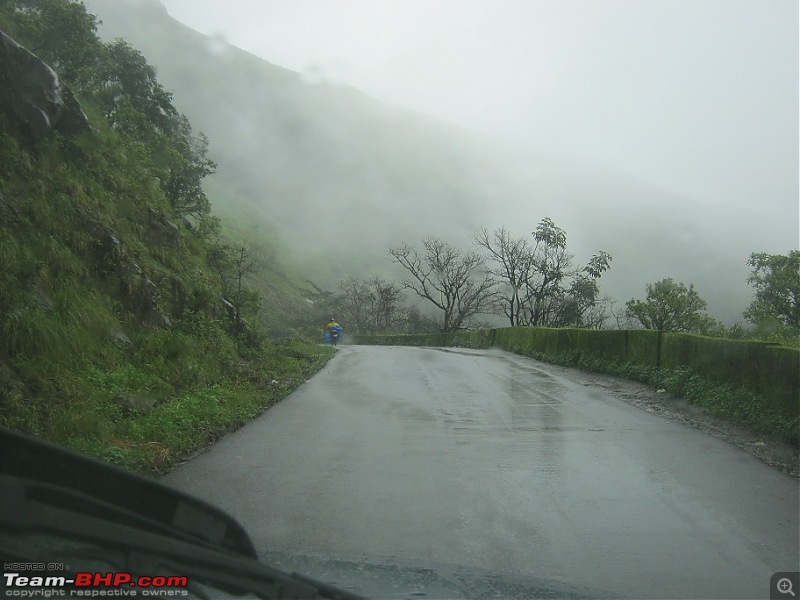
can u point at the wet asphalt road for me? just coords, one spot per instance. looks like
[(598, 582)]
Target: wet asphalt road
[(487, 461)]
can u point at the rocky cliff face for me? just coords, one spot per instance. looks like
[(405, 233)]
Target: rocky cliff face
[(37, 104), (31, 92)]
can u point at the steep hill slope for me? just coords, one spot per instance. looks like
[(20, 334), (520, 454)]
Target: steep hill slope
[(319, 159), (347, 175), (121, 334)]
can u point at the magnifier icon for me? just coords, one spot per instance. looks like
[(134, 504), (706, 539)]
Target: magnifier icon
[(784, 586)]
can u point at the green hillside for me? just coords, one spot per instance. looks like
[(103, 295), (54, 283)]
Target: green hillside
[(335, 168), (125, 332), (344, 176)]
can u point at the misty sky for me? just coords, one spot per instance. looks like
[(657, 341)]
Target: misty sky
[(697, 96)]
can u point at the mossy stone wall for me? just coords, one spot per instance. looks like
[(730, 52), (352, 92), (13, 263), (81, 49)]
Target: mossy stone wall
[(770, 371)]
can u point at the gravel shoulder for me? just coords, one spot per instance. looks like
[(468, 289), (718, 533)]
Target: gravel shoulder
[(775, 452)]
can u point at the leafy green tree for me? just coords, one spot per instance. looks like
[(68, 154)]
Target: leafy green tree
[(581, 305), (137, 104), (118, 78), (188, 165), (130, 75), (671, 306), (776, 279), (550, 265)]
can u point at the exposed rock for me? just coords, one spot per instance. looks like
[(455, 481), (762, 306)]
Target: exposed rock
[(113, 248), (230, 309), (145, 296), (139, 401), (31, 92), (139, 294), (129, 270), (163, 232), (120, 337)]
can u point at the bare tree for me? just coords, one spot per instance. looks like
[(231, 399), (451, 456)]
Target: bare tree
[(385, 303), (513, 259), (413, 320), (539, 285), (598, 314), (233, 266), (550, 265), (452, 280), (355, 304), (368, 306)]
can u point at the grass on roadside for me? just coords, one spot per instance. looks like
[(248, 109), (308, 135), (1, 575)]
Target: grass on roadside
[(737, 404), (124, 423)]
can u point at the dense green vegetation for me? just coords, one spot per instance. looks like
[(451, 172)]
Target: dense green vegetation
[(776, 307), (774, 311), (130, 328), (738, 404)]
